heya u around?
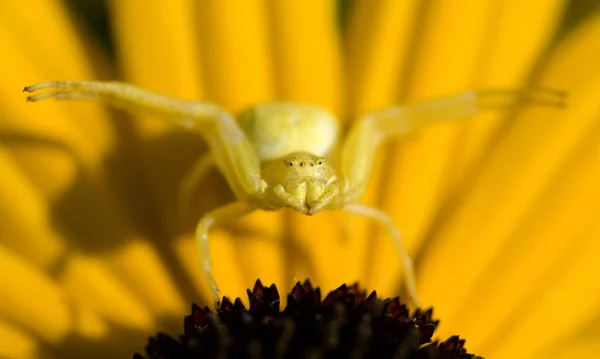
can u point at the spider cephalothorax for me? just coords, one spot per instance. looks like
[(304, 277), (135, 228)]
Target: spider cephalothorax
[(300, 180), (274, 155)]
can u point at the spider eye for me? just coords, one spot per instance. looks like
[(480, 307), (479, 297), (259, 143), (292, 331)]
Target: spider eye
[(291, 164), (312, 164), (301, 164)]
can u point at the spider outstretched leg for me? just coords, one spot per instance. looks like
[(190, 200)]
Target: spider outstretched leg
[(373, 129), (231, 151)]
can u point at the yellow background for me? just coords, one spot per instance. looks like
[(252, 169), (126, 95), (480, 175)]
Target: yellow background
[(500, 211)]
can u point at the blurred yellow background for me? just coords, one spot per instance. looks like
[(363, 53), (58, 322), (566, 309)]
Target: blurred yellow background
[(500, 211)]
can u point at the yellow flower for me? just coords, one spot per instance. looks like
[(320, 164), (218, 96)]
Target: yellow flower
[(499, 210)]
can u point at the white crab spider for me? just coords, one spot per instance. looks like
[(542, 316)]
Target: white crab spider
[(286, 155)]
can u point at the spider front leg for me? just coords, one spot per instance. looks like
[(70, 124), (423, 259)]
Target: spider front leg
[(231, 151), (407, 263), (215, 218), (330, 198), (373, 129)]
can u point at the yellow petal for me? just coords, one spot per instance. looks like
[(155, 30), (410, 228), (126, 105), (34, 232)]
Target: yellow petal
[(322, 249), (257, 248), (37, 55), (88, 322), (26, 229), (517, 174), (225, 261), (307, 53), (376, 73), (185, 249), (242, 258), (158, 46), (567, 349), (308, 69), (144, 272), (509, 56), (237, 261), (32, 299), (59, 51), (15, 344), (41, 136), (236, 54), (89, 281), (553, 230), (572, 293), (378, 45), (423, 170), (445, 54)]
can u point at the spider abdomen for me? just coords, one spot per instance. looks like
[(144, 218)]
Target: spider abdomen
[(280, 128)]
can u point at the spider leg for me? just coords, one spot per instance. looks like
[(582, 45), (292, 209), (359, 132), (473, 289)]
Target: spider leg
[(120, 94), (212, 219), (328, 199), (232, 151), (407, 264), (190, 182), (371, 130), (288, 198)]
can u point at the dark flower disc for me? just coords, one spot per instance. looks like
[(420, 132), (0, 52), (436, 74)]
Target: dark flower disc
[(345, 324)]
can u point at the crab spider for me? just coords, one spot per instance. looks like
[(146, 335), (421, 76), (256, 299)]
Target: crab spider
[(283, 154)]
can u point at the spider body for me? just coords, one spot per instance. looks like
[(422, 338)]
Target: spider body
[(294, 144), (290, 155), (303, 176)]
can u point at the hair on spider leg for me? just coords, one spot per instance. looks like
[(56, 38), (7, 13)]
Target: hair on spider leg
[(55, 89), (52, 85), (40, 97), (59, 96), (549, 91), (528, 91), (546, 97), (535, 96), (531, 100)]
